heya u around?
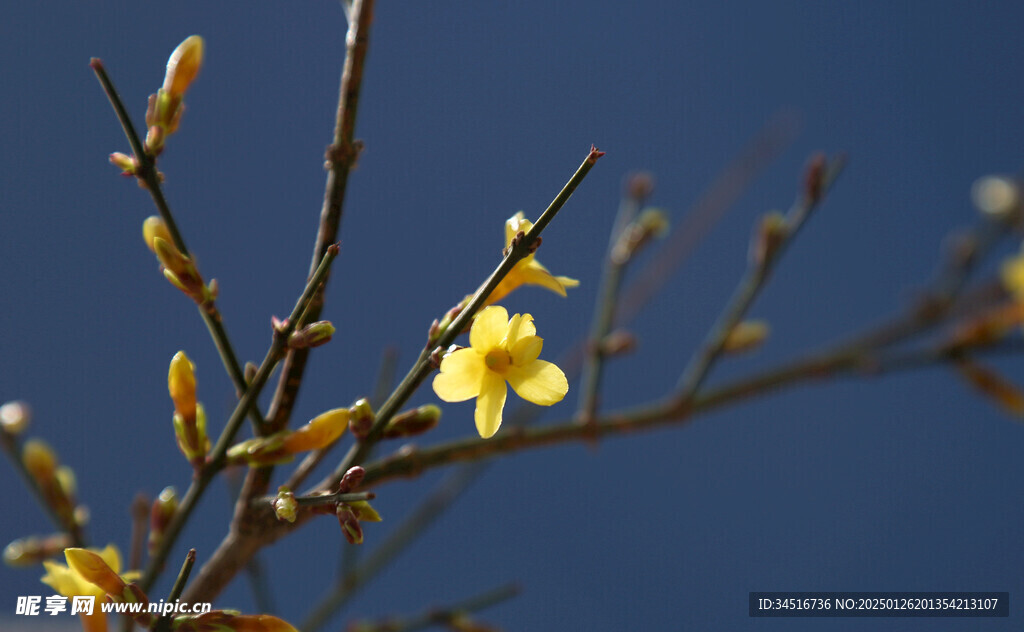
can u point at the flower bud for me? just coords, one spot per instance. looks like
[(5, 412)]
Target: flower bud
[(996, 196), (127, 164), (154, 227), (349, 524), (639, 185), (181, 382), (190, 434), (155, 137), (183, 66), (94, 570), (361, 419), (351, 480), (160, 515), (65, 477), (285, 505), (746, 335), (413, 422), (312, 335), (39, 460), (319, 433), (15, 417), (33, 550)]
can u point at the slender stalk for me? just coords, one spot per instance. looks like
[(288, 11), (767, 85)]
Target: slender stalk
[(216, 460), (163, 624), (140, 522), (848, 363), (409, 529), (516, 252), (433, 616), (148, 174), (749, 288), (341, 158), (9, 444), (604, 312), (241, 542)]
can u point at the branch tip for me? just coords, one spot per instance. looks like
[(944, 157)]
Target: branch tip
[(95, 63), (595, 153), (334, 249)]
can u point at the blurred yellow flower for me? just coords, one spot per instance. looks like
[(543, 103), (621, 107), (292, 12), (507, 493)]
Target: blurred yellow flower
[(528, 271), (75, 579), (501, 350)]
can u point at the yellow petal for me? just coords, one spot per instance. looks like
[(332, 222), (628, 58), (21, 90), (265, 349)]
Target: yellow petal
[(515, 224), (64, 581), (94, 569), (112, 556), (519, 327), (462, 373), (183, 65), (533, 273), (567, 282), (526, 350), (539, 382), (489, 328), (489, 405), (320, 432)]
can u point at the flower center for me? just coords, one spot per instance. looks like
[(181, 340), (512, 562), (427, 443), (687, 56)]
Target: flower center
[(498, 360)]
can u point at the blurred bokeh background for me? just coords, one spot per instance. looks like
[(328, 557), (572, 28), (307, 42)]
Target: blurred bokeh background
[(471, 112)]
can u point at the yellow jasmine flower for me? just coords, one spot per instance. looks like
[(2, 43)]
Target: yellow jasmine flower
[(501, 349), (75, 580), (528, 271)]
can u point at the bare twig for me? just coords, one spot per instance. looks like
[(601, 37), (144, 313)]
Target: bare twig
[(216, 459)]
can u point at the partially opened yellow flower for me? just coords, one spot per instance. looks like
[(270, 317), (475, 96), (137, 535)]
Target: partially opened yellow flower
[(76, 579), (528, 271), (501, 350)]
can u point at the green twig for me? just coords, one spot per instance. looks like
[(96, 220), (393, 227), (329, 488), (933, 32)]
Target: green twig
[(216, 460), (604, 311), (433, 616), (519, 249), (163, 624), (148, 174), (10, 446), (751, 284)]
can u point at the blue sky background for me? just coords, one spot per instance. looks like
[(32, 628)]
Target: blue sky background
[(471, 112)]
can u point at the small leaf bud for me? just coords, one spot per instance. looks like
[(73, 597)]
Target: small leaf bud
[(312, 335), (285, 505), (351, 480), (362, 418), (349, 524), (746, 335), (40, 461), (15, 417), (997, 197), (33, 550), (413, 422), (127, 164), (154, 227)]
